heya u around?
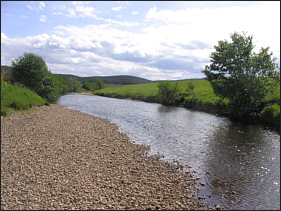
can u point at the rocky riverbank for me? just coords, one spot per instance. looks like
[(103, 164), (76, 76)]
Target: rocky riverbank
[(57, 158)]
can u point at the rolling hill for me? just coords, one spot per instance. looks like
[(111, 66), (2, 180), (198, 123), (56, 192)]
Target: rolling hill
[(117, 80)]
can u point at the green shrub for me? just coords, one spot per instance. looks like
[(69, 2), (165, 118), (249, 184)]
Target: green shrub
[(32, 71), (271, 114), (168, 92), (3, 112)]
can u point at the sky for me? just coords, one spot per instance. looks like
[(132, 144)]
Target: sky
[(156, 40)]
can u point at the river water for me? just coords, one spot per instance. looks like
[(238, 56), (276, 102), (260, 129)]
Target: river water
[(238, 163)]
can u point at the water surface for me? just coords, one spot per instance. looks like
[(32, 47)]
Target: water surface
[(238, 163)]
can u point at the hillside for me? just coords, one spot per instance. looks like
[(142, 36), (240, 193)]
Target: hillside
[(5, 69), (116, 80), (120, 79)]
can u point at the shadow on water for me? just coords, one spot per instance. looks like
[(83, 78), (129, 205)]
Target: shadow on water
[(238, 163)]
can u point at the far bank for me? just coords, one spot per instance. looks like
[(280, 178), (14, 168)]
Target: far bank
[(203, 99)]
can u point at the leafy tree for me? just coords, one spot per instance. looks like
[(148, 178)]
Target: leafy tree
[(100, 84), (32, 71), (88, 85), (73, 84), (61, 86), (190, 86), (243, 77), (168, 92), (95, 86)]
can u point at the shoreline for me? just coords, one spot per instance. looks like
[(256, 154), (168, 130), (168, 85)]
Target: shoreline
[(57, 158), (204, 107)]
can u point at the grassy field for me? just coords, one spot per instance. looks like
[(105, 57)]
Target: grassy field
[(15, 97), (148, 92), (112, 86), (145, 92)]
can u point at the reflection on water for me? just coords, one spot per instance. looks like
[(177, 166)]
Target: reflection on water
[(249, 159), (239, 163)]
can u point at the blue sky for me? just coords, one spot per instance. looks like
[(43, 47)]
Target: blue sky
[(156, 40)]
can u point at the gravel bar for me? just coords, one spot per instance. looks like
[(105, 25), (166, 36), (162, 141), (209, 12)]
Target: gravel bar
[(56, 158)]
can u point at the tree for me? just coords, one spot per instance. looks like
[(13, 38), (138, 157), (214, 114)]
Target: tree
[(88, 85), (243, 77), (168, 92), (100, 84), (73, 84), (61, 86), (32, 71)]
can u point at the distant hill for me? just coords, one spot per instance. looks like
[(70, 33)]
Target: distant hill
[(119, 79), (195, 79), (5, 69)]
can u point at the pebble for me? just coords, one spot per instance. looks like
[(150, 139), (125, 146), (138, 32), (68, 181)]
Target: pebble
[(65, 159)]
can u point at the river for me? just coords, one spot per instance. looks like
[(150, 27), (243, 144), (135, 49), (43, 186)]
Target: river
[(238, 163)]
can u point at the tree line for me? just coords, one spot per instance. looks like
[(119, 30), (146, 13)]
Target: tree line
[(31, 71)]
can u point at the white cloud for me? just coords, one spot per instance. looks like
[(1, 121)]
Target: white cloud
[(80, 2), (135, 13), (41, 5), (37, 8), (77, 11), (43, 18), (28, 6), (86, 11), (213, 24), (116, 8), (70, 12)]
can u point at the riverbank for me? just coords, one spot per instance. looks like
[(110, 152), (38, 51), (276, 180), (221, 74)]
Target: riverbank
[(203, 99), (57, 158)]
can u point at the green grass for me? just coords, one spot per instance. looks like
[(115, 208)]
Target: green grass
[(112, 85), (204, 93), (271, 114), (148, 92), (14, 97), (144, 92)]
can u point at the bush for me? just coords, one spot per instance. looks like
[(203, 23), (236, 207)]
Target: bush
[(168, 92), (3, 113), (100, 84), (271, 114), (32, 71)]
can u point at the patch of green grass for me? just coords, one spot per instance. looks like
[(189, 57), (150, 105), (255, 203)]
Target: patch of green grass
[(203, 92), (271, 114), (14, 97), (80, 89), (112, 86), (144, 92), (148, 92)]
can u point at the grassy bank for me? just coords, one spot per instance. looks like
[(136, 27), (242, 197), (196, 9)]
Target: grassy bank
[(14, 98), (203, 93), (203, 99), (144, 92)]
